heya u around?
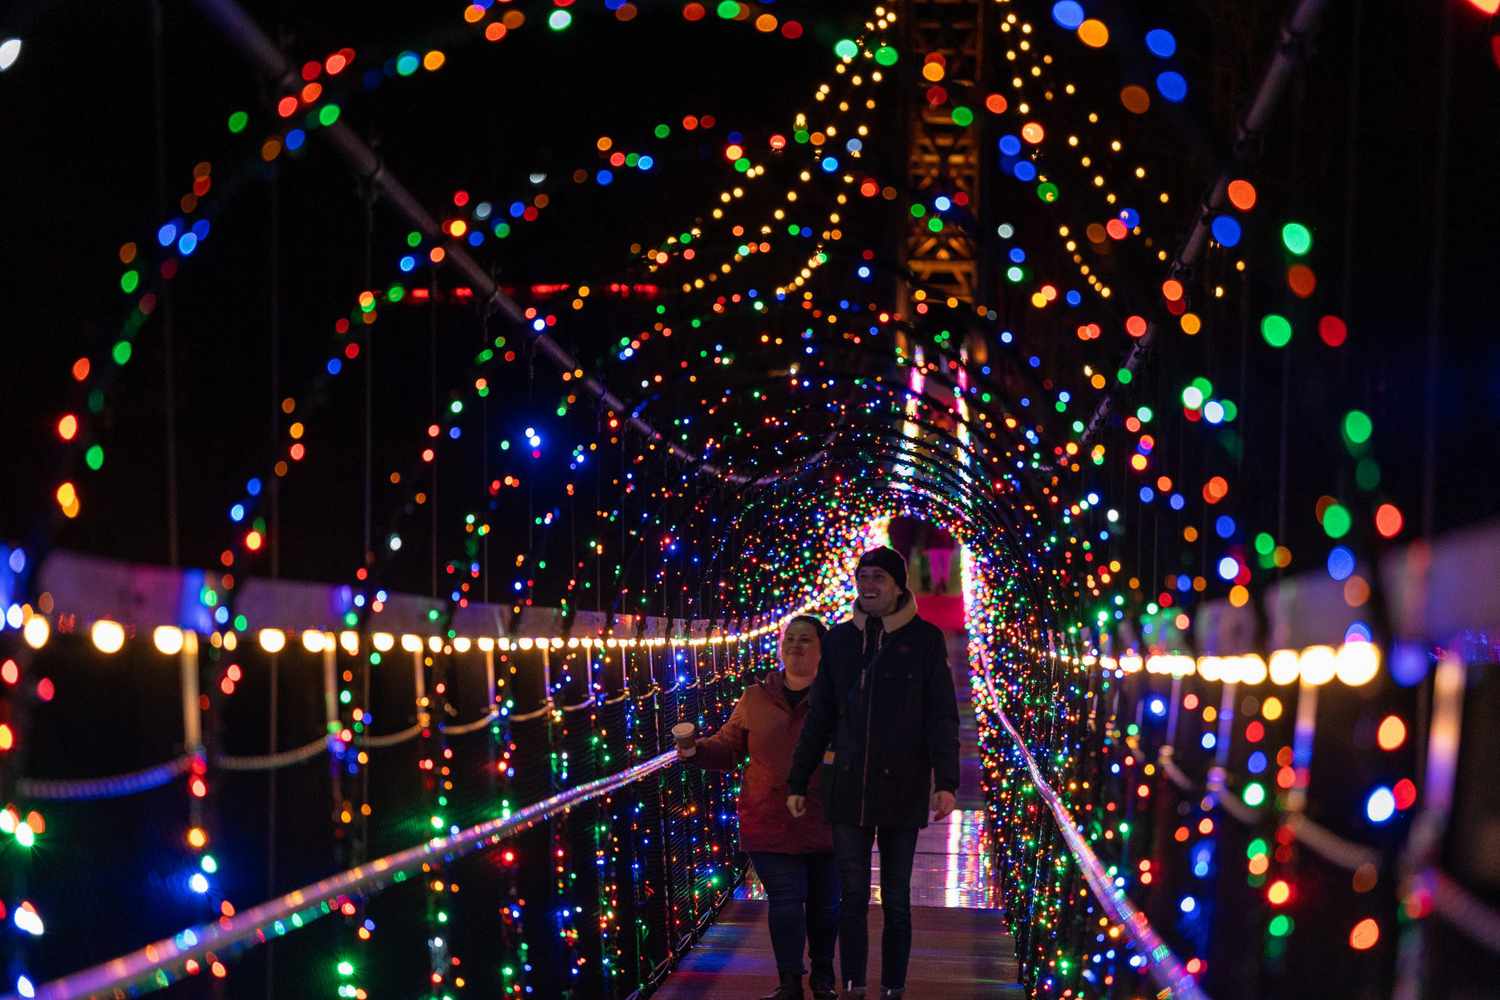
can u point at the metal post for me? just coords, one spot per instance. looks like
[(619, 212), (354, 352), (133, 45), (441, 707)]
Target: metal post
[(330, 685), (546, 673), (492, 772), (1449, 681), (331, 722), (1172, 712), (1226, 725), (192, 713), (419, 686), (1302, 745)]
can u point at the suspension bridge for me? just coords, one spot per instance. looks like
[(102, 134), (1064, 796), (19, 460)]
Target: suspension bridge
[(469, 396)]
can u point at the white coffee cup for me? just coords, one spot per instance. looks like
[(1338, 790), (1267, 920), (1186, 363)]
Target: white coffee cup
[(683, 734)]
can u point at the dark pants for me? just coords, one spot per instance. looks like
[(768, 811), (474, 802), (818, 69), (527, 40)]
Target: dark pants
[(898, 848), (803, 890)]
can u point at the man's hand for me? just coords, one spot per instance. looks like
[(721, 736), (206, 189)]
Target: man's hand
[(942, 804), (797, 805)]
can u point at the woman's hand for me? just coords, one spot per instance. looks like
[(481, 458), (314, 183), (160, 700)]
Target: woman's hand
[(796, 805), (942, 804)]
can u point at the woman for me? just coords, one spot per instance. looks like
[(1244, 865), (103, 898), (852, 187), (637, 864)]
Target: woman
[(792, 856)]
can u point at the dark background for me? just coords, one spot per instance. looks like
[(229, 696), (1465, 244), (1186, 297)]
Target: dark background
[(81, 179)]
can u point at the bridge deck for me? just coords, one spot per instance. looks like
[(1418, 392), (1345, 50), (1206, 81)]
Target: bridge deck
[(957, 954), (960, 947)]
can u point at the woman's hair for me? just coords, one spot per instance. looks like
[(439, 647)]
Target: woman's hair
[(813, 620)]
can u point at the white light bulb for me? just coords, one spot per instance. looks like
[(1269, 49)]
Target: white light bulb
[(108, 636), (36, 632), (1283, 666), (1316, 664), (1357, 663), (168, 639)]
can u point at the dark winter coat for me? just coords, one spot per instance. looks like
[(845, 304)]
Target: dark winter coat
[(766, 726), (892, 720)]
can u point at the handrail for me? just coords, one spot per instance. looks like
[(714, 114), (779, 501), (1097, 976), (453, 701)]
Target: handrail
[(158, 965), (1317, 838), (120, 785), (1226, 799), (393, 739), (1174, 774), (528, 716), (112, 787), (1163, 966), (1330, 846), (274, 761), (469, 727), (1461, 908)]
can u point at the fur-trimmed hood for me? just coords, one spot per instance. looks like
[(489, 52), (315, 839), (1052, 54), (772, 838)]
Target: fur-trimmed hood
[(905, 613)]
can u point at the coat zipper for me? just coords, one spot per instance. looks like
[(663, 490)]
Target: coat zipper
[(864, 785)]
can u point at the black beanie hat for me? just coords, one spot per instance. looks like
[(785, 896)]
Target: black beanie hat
[(888, 559)]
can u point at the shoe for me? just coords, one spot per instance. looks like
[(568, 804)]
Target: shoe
[(790, 988), (892, 992), (822, 987), (852, 992)]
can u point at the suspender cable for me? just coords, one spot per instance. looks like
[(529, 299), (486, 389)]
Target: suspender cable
[(241, 31), (432, 362), (169, 388), (1291, 50), (367, 197), (1437, 275), (367, 552), (273, 724)]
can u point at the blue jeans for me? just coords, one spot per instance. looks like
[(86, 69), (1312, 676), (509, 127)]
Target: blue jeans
[(803, 890), (898, 849)]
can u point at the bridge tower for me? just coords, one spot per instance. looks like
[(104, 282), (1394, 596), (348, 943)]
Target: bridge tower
[(943, 156)]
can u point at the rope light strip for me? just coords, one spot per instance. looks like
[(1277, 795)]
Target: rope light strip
[(1162, 964)]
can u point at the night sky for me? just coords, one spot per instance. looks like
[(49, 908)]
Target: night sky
[(81, 179)]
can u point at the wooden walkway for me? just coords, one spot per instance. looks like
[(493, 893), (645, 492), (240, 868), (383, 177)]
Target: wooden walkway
[(957, 954), (960, 948)]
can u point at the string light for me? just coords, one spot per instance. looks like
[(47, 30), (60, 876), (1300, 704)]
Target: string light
[(1059, 598)]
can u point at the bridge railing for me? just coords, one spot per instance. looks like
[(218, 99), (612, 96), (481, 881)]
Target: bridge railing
[(603, 860), (162, 962), (1162, 965)]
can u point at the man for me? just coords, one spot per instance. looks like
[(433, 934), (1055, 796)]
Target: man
[(885, 697)]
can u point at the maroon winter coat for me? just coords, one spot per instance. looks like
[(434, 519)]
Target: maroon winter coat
[(766, 726)]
